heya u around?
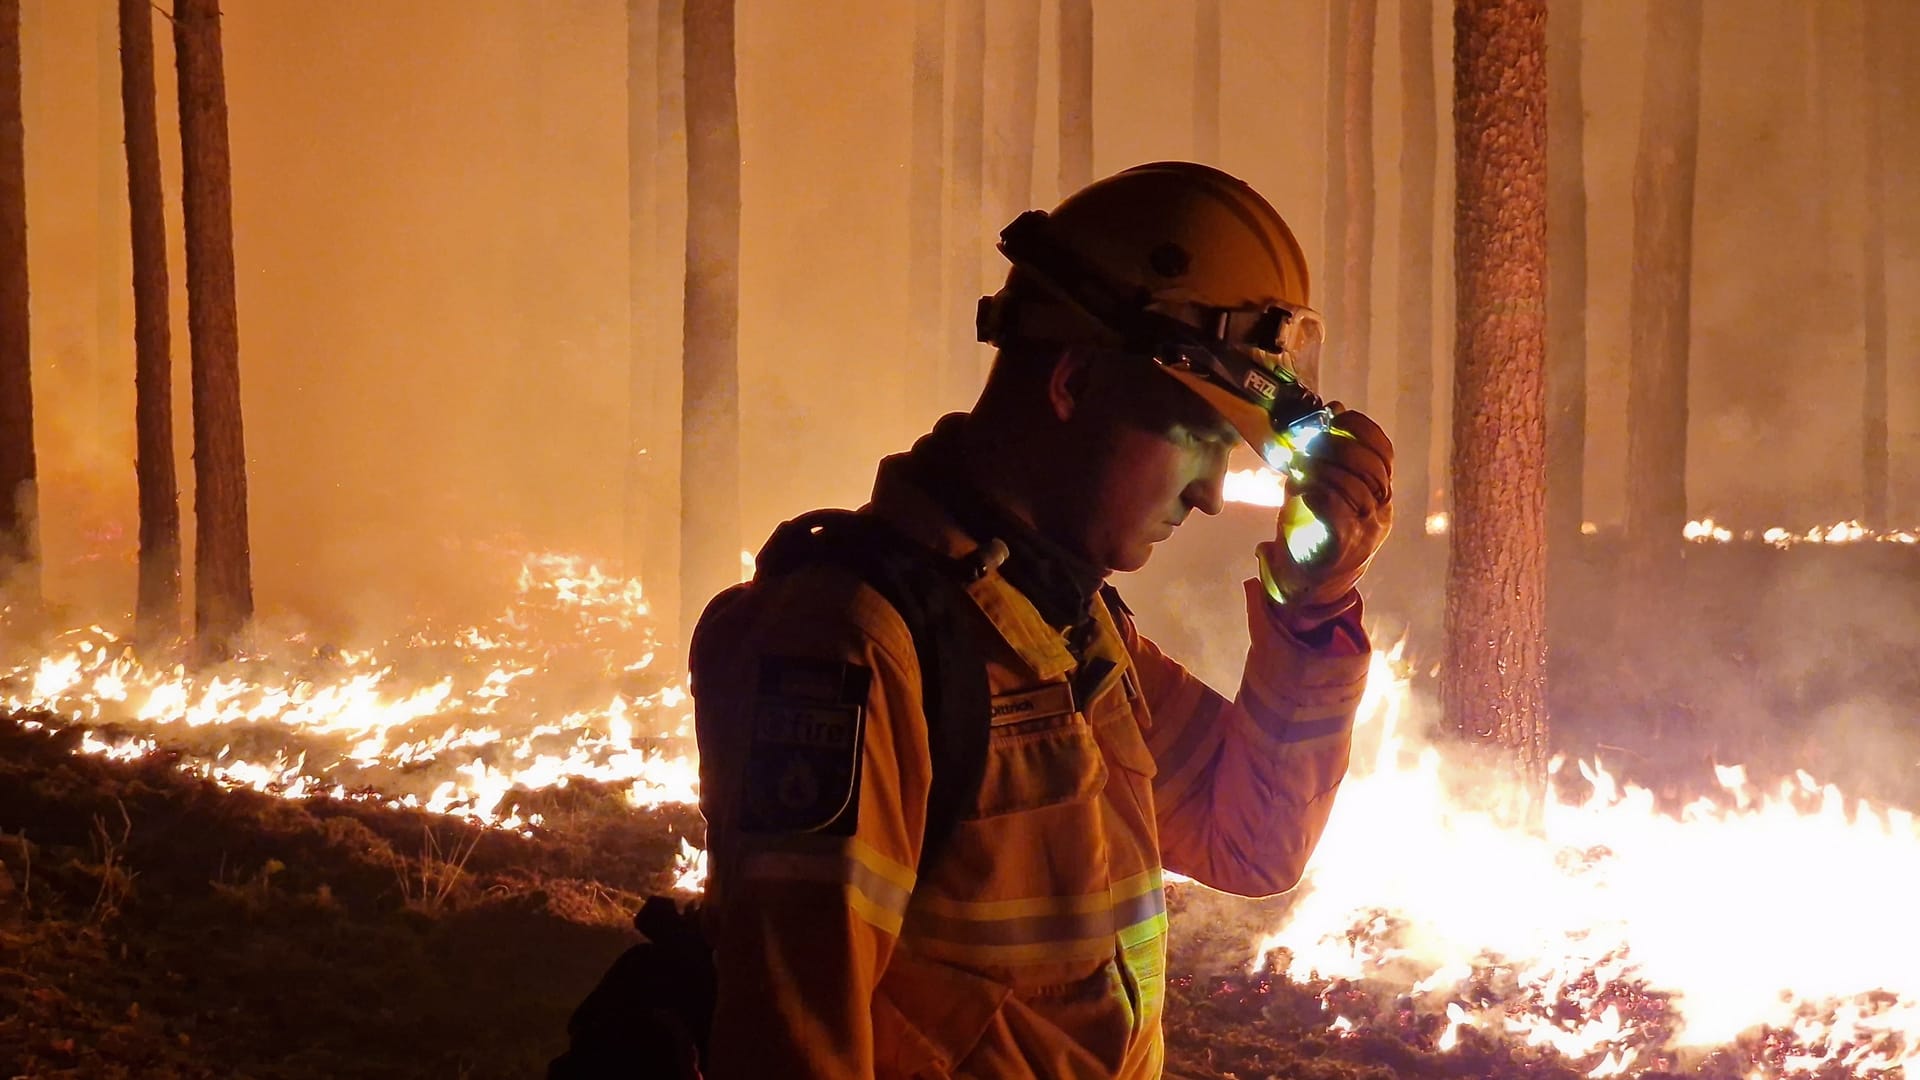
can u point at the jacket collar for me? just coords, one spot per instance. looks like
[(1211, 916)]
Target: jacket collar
[(922, 493)]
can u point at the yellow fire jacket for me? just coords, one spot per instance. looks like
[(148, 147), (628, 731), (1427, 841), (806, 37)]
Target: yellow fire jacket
[(1036, 944)]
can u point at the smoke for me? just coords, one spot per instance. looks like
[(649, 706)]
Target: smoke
[(432, 209)]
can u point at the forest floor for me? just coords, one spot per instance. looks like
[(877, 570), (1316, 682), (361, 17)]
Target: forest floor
[(153, 924)]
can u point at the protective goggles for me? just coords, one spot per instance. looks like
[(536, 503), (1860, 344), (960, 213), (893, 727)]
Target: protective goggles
[(1256, 388)]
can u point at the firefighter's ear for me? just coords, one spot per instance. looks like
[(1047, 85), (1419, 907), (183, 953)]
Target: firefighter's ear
[(1067, 385)]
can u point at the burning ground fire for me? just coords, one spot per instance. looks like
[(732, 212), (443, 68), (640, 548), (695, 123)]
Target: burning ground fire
[(1613, 932), (561, 686), (1623, 937), (1260, 487)]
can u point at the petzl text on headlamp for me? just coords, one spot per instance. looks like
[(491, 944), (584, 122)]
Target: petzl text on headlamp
[(1242, 360)]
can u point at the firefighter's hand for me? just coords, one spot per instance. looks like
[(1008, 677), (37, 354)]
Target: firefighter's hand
[(1338, 511)]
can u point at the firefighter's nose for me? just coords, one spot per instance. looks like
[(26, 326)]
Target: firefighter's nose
[(1208, 492)]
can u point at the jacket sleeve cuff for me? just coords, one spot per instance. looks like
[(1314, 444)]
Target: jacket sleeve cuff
[(1307, 682), (1332, 629)]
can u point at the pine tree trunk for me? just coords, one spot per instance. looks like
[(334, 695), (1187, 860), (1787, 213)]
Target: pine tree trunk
[(1663, 195), (1567, 281), (1076, 95), (1206, 81), (1493, 681), (1875, 510), (967, 239), (1009, 163), (111, 258), (18, 504), (157, 608), (926, 302), (1413, 413), (710, 422), (642, 485), (668, 593), (1355, 327), (223, 577), (1331, 301)]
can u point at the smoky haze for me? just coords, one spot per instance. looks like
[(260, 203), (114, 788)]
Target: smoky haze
[(431, 231)]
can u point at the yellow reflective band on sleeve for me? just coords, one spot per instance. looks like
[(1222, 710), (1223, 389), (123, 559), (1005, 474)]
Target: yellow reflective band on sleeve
[(875, 887)]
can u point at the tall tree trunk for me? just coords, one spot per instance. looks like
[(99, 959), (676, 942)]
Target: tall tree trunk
[(710, 418), (1355, 327), (1567, 281), (1875, 510), (670, 594), (643, 501), (1009, 160), (1413, 413), (1494, 675), (157, 609), (223, 575), (926, 302), (1076, 95), (1663, 183), (110, 248), (1332, 301), (1206, 81), (967, 239), (18, 503)]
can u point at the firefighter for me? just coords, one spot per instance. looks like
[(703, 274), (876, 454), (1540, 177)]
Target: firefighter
[(1150, 323)]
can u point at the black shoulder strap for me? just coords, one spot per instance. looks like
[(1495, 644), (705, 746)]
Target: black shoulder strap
[(926, 589)]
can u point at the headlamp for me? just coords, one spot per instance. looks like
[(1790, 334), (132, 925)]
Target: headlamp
[(1242, 360)]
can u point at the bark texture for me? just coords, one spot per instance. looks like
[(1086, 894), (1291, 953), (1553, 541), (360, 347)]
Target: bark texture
[(1419, 147), (1663, 184), (1206, 81), (926, 307), (1076, 95), (1875, 511), (710, 421), (1567, 281), (18, 504), (157, 608), (968, 240), (223, 575), (1493, 681), (1355, 327)]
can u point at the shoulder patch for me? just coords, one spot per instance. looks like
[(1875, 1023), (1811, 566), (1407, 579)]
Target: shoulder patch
[(803, 759)]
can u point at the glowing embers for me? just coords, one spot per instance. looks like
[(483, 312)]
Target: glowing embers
[(1770, 920), (561, 686)]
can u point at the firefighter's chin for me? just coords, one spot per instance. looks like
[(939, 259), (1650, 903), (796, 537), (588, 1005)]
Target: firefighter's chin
[(1133, 555)]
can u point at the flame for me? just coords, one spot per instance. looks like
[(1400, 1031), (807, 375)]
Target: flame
[(562, 686), (1605, 929), (1613, 932), (1844, 532)]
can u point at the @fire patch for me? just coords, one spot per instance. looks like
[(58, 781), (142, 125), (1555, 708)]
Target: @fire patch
[(803, 762)]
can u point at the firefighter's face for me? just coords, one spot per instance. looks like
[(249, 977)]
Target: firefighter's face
[(1140, 453)]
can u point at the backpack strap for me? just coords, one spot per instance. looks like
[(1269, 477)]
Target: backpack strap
[(926, 589)]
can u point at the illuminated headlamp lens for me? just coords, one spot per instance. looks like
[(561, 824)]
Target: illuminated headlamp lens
[(1295, 438)]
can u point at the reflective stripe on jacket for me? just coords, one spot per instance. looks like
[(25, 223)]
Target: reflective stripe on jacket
[(1036, 944)]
